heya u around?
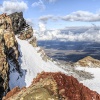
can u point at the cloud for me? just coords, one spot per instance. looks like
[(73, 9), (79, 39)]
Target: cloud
[(46, 18), (13, 6), (29, 21), (51, 1), (88, 34), (42, 27), (82, 16), (39, 4)]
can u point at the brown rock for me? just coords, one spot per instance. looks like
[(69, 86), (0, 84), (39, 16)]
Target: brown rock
[(88, 62), (55, 86), (8, 50)]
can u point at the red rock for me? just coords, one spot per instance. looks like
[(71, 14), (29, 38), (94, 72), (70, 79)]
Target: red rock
[(73, 90), (12, 92)]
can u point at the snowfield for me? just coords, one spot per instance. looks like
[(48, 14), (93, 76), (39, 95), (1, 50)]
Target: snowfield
[(93, 84), (31, 64)]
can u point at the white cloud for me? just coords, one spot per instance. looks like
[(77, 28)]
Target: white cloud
[(51, 1), (46, 18), (39, 4), (29, 21), (82, 16), (42, 27), (13, 6), (88, 34)]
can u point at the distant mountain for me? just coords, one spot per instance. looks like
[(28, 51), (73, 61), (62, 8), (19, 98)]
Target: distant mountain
[(88, 62)]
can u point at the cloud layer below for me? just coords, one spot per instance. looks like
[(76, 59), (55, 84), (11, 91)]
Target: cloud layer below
[(88, 34)]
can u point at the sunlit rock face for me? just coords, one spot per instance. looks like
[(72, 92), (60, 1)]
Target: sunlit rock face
[(8, 50), (53, 86)]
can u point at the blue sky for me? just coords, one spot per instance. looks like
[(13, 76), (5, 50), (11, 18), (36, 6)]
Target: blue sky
[(55, 14)]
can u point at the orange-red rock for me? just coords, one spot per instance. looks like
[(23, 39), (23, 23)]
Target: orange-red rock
[(68, 88)]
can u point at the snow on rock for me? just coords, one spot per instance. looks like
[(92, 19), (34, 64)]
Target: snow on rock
[(93, 84), (31, 64)]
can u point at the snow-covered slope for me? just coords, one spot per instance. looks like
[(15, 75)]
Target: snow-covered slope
[(31, 63), (93, 84)]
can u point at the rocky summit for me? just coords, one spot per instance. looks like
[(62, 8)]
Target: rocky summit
[(15, 35), (88, 62)]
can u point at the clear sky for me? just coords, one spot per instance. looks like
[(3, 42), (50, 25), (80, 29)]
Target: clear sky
[(55, 14)]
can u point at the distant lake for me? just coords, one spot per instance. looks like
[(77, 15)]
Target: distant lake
[(70, 51)]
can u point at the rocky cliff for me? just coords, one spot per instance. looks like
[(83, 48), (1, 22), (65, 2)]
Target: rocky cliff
[(9, 26), (8, 50)]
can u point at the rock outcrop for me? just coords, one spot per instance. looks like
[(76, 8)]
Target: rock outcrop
[(20, 27), (88, 62), (53, 86), (8, 52), (10, 25)]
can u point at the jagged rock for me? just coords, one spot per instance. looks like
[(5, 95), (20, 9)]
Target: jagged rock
[(88, 62), (18, 22), (3, 68), (26, 34), (53, 86), (33, 41), (5, 22), (20, 27), (8, 51), (45, 89), (69, 88), (9, 26)]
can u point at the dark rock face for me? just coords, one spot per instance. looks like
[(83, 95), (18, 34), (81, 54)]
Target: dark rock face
[(18, 22), (53, 86), (20, 27)]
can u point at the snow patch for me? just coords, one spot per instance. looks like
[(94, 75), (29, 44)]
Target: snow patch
[(93, 84)]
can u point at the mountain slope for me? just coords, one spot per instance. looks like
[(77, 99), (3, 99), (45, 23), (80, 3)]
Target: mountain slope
[(31, 64)]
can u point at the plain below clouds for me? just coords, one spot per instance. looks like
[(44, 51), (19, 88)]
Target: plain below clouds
[(13, 6)]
